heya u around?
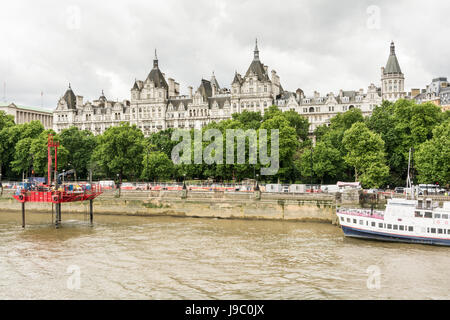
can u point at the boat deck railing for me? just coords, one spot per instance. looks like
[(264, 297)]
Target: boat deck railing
[(368, 213)]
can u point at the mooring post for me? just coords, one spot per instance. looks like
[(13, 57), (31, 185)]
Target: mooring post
[(58, 215), (23, 214), (91, 211)]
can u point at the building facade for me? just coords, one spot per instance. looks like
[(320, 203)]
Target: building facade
[(437, 92), (156, 104), (26, 114)]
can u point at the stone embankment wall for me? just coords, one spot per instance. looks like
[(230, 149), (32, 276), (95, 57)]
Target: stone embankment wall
[(214, 204)]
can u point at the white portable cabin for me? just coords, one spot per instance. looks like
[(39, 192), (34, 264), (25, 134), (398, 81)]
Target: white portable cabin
[(297, 188), (273, 188)]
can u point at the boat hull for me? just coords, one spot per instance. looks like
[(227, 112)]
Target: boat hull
[(374, 235)]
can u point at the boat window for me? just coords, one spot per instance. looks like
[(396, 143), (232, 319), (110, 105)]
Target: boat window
[(448, 231), (410, 229), (445, 216), (395, 227), (354, 221), (402, 228), (373, 224), (361, 222), (418, 214), (419, 204), (342, 218), (437, 215), (348, 220), (380, 225), (433, 230), (389, 226), (428, 215), (439, 231)]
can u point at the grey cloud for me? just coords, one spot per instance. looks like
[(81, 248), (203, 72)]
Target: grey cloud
[(313, 45)]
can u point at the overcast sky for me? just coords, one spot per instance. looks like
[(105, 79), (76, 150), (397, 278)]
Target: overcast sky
[(313, 45)]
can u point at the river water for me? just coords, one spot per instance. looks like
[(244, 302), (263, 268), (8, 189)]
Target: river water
[(123, 257)]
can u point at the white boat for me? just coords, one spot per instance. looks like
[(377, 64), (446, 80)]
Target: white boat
[(404, 220), (412, 221)]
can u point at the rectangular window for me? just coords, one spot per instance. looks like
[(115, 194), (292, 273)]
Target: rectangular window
[(411, 229), (428, 215), (395, 227), (433, 230), (445, 216), (402, 228), (361, 222), (380, 225), (342, 218), (437, 215), (373, 224), (354, 221), (440, 231), (418, 214), (348, 220), (389, 226)]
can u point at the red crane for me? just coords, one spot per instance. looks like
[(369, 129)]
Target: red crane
[(54, 193)]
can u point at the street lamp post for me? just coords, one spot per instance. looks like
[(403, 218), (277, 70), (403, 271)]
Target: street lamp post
[(257, 185), (118, 183), (184, 182), (311, 180)]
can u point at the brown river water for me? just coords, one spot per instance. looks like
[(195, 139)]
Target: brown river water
[(124, 257)]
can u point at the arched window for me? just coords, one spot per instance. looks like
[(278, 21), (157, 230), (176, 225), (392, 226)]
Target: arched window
[(311, 109), (351, 107)]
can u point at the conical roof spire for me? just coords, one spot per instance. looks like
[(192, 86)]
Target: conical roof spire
[(392, 65), (155, 61), (256, 51)]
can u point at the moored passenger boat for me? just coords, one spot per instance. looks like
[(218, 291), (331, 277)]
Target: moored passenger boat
[(413, 221)]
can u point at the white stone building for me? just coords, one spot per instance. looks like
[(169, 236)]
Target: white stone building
[(26, 114), (156, 103)]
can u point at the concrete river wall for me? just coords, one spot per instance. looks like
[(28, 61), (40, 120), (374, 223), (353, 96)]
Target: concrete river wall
[(214, 204)]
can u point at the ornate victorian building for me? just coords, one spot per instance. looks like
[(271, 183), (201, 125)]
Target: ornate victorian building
[(156, 103)]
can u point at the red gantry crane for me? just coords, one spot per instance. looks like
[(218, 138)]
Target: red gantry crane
[(54, 193)]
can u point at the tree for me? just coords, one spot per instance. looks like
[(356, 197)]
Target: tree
[(157, 166), (120, 150), (288, 144), (248, 119), (20, 140), (299, 123), (433, 157), (6, 121), (80, 145), (39, 153), (365, 153)]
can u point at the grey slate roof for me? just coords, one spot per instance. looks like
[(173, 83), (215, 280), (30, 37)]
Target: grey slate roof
[(220, 101), (156, 76), (205, 89), (392, 65), (70, 99), (258, 69), (237, 78), (176, 102)]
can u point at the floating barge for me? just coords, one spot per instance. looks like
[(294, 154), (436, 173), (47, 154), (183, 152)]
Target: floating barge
[(54, 193)]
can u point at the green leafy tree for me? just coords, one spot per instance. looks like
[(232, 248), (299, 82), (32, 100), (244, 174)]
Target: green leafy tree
[(433, 157), (120, 151), (365, 153), (6, 122), (39, 153), (157, 166), (80, 145)]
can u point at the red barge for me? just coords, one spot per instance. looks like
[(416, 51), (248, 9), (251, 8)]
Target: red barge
[(54, 193)]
